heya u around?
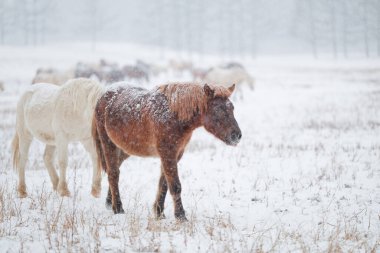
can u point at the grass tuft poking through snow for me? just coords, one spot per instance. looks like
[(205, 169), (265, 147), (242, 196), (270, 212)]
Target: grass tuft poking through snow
[(305, 177)]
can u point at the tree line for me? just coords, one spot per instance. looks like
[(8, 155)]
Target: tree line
[(337, 28)]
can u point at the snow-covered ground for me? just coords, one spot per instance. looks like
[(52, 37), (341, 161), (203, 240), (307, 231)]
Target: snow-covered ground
[(305, 177)]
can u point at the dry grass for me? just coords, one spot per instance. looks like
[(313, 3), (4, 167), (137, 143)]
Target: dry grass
[(304, 178)]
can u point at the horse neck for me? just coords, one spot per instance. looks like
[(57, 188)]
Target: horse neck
[(193, 123)]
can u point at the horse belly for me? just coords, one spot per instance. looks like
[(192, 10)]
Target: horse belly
[(40, 127), (140, 150), (133, 140), (76, 127), (38, 116)]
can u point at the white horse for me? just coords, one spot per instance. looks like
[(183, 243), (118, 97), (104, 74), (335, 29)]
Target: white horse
[(226, 76), (56, 115)]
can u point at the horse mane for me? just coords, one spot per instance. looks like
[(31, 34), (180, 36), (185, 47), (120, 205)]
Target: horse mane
[(185, 99), (82, 92)]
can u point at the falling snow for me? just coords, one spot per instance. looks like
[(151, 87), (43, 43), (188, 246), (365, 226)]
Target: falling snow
[(305, 176)]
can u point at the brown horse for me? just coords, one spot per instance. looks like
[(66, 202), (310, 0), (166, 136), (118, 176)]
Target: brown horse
[(134, 121)]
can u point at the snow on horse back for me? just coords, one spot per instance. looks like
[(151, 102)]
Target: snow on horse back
[(56, 115)]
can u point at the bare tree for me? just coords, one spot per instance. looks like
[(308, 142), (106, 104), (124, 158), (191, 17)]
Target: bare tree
[(333, 25), (313, 35), (222, 47), (29, 19), (45, 11), (345, 27), (305, 24), (365, 26), (93, 7), (25, 21), (253, 33), (377, 8), (202, 26), (229, 29), (7, 20), (3, 18), (97, 18), (161, 28)]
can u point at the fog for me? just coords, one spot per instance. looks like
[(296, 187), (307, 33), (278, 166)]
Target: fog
[(325, 28), (303, 79)]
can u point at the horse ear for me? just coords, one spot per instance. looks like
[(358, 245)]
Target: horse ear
[(231, 88), (208, 91)]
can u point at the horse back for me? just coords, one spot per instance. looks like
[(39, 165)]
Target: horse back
[(140, 122), (74, 108), (128, 119)]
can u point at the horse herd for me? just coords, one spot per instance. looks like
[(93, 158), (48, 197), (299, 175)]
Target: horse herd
[(117, 121), (103, 71), (108, 72)]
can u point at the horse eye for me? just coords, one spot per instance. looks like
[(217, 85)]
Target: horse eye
[(230, 106)]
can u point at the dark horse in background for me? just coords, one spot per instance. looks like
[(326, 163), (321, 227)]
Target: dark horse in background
[(134, 121)]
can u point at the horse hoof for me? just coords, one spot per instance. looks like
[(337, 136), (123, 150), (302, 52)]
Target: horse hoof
[(22, 194), (64, 193), (95, 192), (118, 211), (55, 185), (160, 216), (158, 212), (108, 205), (181, 218)]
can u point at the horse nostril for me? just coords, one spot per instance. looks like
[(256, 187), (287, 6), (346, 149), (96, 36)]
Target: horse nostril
[(236, 135)]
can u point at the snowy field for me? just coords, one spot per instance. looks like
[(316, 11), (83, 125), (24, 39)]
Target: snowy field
[(305, 176)]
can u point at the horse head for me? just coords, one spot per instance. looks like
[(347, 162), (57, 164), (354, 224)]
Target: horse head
[(219, 117)]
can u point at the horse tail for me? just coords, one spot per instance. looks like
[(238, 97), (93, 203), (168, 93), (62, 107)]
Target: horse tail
[(98, 144), (20, 128), (15, 151)]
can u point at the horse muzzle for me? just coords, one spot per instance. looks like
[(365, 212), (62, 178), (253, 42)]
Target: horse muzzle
[(234, 138)]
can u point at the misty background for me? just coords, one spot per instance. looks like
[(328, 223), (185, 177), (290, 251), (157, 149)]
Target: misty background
[(249, 28)]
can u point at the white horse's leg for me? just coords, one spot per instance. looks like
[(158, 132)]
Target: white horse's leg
[(24, 150), (62, 163), (49, 163), (96, 188)]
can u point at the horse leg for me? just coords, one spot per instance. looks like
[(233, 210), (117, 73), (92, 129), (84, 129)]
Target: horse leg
[(158, 206), (121, 157), (113, 180), (111, 155), (109, 199), (96, 187), (172, 179), (24, 145), (62, 163), (49, 163)]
